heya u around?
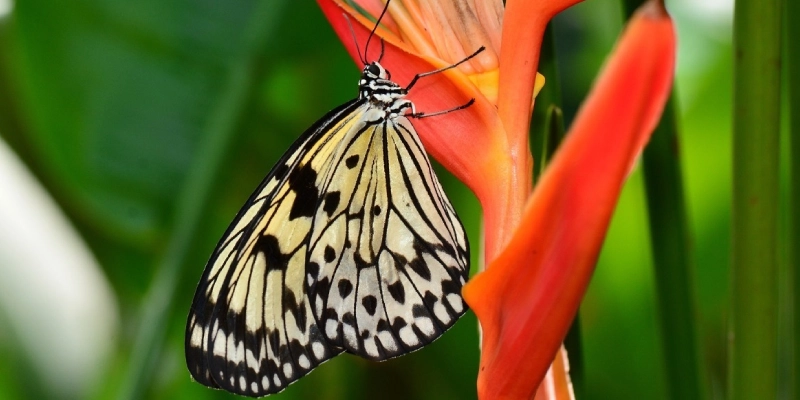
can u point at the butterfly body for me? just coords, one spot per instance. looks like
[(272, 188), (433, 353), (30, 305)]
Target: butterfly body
[(349, 244)]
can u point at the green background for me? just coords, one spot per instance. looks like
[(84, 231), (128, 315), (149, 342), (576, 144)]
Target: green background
[(111, 105)]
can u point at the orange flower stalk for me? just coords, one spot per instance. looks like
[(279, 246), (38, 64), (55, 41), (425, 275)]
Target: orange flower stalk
[(541, 248)]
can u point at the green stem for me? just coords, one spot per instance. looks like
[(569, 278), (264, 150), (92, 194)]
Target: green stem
[(752, 368), (672, 259), (792, 48), (191, 208)]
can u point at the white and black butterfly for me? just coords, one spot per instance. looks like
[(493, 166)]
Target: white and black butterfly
[(348, 244)]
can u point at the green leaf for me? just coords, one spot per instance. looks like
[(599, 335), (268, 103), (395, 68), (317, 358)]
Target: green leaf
[(752, 366)]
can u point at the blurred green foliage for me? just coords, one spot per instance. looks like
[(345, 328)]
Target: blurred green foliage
[(109, 102)]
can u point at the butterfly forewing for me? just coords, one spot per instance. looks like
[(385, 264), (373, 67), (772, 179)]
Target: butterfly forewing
[(349, 244), (251, 329)]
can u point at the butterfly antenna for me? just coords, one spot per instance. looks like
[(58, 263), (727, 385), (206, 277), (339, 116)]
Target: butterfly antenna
[(424, 74), (355, 41), (371, 34)]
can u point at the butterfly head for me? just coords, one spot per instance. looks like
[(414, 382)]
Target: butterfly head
[(375, 71), (377, 87)]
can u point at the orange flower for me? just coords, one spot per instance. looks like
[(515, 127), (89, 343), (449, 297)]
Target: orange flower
[(541, 247), (486, 145)]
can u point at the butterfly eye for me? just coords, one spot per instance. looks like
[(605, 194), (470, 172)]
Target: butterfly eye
[(374, 70)]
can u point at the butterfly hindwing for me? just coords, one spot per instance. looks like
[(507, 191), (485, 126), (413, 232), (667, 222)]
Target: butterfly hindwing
[(388, 256)]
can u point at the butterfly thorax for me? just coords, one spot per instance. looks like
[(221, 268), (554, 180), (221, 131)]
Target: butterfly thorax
[(376, 86)]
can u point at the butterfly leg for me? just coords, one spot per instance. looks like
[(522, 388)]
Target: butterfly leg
[(415, 114), (424, 74)]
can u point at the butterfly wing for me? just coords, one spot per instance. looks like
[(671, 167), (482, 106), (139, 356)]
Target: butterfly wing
[(250, 329), (388, 255), (349, 243)]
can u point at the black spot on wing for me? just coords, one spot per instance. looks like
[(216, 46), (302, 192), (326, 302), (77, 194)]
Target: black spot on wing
[(280, 171), (429, 299), (349, 319), (330, 314), (345, 287), (419, 311), (274, 341), (302, 181), (370, 304), (291, 305), (351, 161), (451, 286), (448, 248), (268, 245), (330, 254), (398, 292), (398, 323), (312, 269), (321, 288), (301, 314), (331, 202), (297, 348), (383, 326), (419, 266)]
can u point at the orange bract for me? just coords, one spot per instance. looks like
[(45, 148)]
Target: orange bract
[(541, 247), (529, 295)]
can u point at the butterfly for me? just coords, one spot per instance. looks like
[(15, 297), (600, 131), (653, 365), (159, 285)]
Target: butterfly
[(349, 244)]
